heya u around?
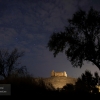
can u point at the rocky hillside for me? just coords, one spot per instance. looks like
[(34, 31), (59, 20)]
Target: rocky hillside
[(59, 82)]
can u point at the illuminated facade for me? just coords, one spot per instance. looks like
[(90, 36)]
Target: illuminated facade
[(53, 73)]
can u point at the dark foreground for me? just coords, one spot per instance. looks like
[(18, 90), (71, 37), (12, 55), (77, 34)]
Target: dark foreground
[(28, 88)]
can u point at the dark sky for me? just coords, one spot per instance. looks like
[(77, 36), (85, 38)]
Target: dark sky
[(28, 24)]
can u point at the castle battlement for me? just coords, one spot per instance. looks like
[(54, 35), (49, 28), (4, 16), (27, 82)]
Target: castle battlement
[(53, 73)]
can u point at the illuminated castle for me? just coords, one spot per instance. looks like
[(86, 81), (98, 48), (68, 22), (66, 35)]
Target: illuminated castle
[(59, 79), (53, 73)]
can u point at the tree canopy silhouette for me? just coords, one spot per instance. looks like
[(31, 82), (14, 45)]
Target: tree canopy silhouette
[(9, 61), (87, 82), (80, 39)]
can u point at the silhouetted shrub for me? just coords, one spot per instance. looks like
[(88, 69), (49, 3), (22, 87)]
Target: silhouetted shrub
[(28, 86)]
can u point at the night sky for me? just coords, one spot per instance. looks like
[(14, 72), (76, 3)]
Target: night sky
[(28, 25)]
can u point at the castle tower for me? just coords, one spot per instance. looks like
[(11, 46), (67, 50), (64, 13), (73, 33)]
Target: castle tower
[(65, 74), (52, 73)]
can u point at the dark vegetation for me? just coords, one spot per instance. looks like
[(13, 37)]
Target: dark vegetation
[(86, 84), (22, 83), (80, 40), (27, 86)]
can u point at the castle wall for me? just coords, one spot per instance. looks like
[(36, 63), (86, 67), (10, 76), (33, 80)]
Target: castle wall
[(53, 73), (59, 74)]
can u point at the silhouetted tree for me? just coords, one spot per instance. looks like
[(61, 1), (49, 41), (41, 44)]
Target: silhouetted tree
[(87, 83), (80, 40), (97, 78), (68, 88), (9, 63)]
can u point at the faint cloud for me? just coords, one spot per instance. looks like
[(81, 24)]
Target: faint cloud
[(7, 35)]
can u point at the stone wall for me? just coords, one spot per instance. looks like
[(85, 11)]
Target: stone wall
[(53, 73)]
